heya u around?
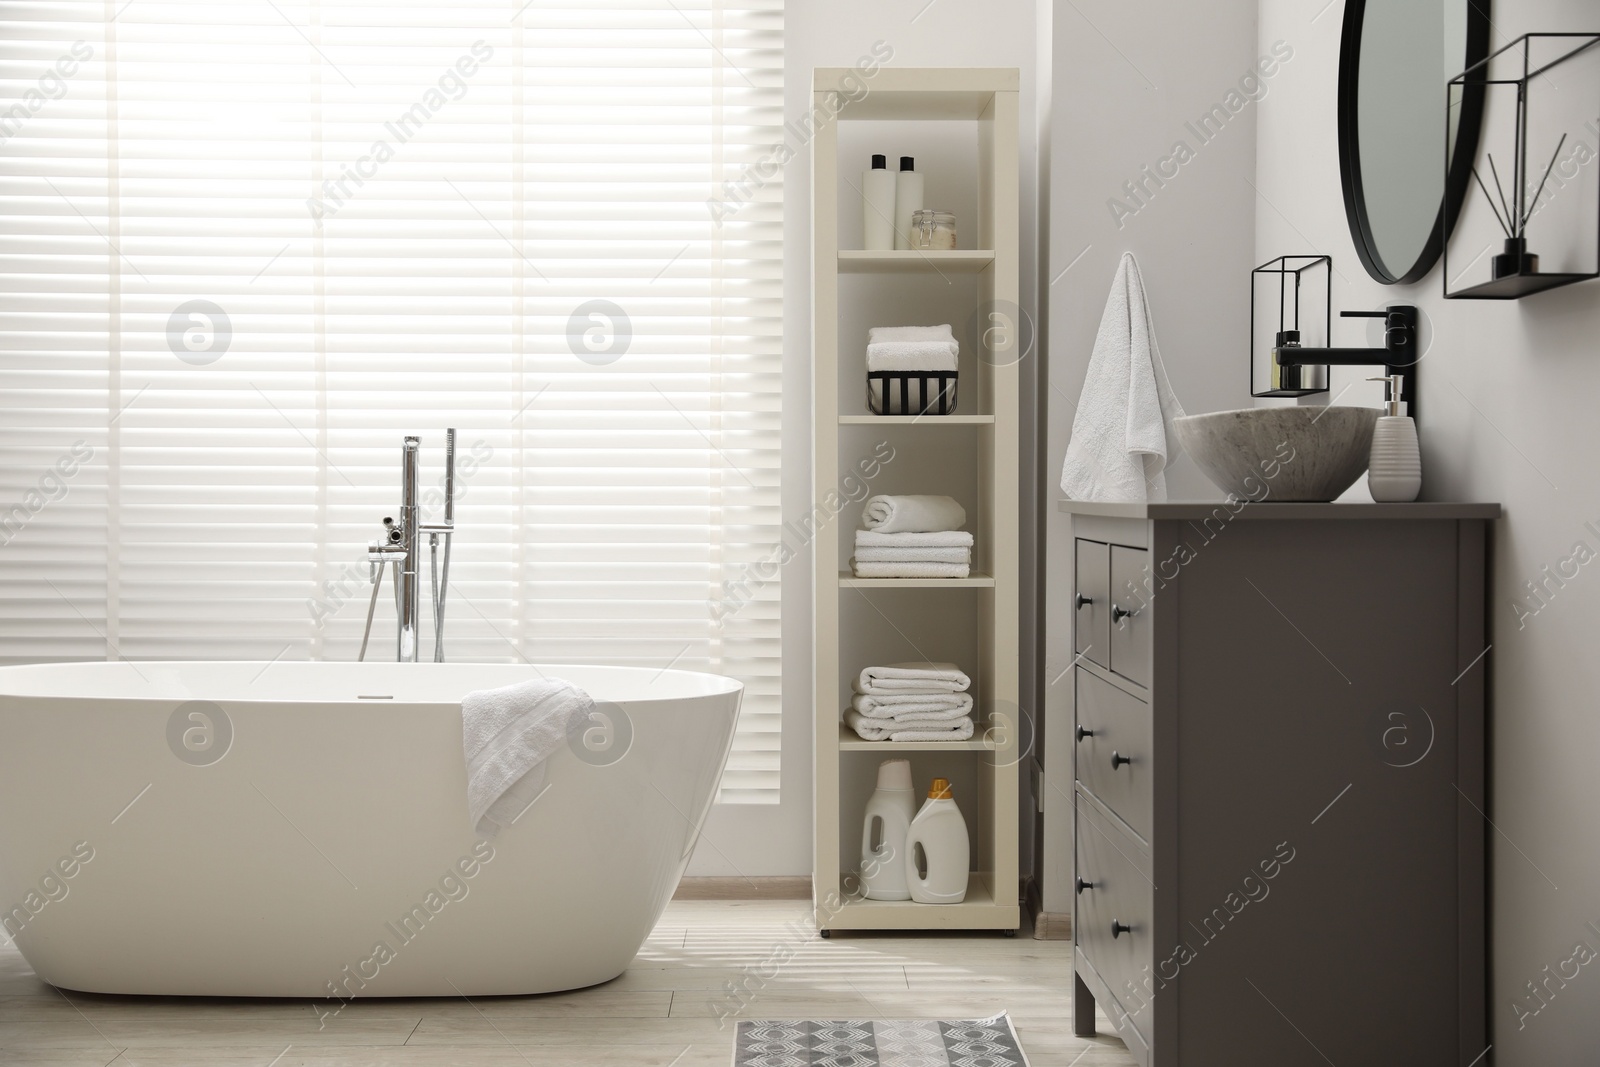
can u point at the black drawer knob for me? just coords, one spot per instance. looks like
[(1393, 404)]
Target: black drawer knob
[(1118, 613), (1084, 601), (1082, 885), (1118, 759), (1119, 928), (1082, 733)]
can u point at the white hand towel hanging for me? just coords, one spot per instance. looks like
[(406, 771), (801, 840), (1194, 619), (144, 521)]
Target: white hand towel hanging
[(1122, 437)]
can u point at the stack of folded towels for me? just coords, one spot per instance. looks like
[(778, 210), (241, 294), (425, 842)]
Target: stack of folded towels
[(912, 702), (913, 537), (911, 348)]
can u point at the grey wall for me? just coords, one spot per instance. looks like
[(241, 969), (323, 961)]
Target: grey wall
[(753, 840), (1127, 82), (1507, 414)]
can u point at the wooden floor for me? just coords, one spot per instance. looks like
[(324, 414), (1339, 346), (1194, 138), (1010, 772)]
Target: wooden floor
[(673, 1007)]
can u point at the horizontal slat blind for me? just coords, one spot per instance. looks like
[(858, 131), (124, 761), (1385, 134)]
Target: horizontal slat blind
[(503, 218)]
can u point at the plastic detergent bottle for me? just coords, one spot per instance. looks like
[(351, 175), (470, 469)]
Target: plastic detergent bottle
[(883, 832), (938, 852)]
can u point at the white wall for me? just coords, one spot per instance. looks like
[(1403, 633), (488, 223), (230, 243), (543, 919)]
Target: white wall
[(1126, 78), (755, 841), (1507, 415)]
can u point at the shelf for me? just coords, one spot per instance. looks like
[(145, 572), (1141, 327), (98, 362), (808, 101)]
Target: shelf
[(1290, 392), (977, 912), (850, 741), (1514, 286), (975, 459), (944, 261), (976, 581), (918, 93), (916, 420)]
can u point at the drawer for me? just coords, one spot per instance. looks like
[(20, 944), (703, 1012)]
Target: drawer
[(1113, 726), (1130, 614), (1091, 619), (1114, 888)]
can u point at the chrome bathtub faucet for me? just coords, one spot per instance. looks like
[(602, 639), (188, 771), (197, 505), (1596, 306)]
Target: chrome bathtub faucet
[(398, 547)]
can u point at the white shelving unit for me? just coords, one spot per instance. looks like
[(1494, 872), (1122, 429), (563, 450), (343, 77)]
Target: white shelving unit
[(961, 125)]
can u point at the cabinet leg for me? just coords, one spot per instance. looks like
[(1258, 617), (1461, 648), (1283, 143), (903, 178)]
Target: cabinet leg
[(1082, 1008)]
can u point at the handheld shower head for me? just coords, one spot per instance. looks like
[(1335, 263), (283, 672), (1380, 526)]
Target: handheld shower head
[(449, 476)]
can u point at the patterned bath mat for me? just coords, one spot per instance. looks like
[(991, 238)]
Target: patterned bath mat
[(877, 1043)]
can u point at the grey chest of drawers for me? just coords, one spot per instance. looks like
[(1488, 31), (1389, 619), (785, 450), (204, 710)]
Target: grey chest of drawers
[(1278, 781)]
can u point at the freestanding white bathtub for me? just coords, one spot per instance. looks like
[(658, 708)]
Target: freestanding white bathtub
[(301, 829)]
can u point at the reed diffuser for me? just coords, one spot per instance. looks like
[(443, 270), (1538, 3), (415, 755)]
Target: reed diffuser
[(1513, 218)]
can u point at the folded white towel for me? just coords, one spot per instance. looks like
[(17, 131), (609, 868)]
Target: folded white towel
[(507, 734), (1122, 435), (941, 539), (960, 730), (913, 514), (877, 335), (937, 720), (914, 555), (910, 569), (907, 696), (913, 356), (912, 677), (879, 730), (899, 705)]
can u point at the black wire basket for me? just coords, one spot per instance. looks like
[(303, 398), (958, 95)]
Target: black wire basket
[(911, 392)]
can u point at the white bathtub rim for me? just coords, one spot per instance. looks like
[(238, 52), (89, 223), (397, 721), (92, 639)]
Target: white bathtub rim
[(386, 682)]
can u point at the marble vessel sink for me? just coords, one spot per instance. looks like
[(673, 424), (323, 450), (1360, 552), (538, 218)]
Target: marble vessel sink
[(1281, 453)]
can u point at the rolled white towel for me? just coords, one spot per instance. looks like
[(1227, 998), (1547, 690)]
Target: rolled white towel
[(899, 705), (507, 735), (879, 730), (911, 569), (894, 334), (914, 555), (940, 539), (912, 677), (913, 514), (913, 356)]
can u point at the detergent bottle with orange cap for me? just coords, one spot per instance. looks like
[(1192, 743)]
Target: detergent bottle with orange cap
[(938, 851)]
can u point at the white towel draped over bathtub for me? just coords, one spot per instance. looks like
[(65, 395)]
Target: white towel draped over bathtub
[(507, 734)]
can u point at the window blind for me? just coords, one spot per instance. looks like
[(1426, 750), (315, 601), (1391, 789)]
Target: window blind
[(247, 247)]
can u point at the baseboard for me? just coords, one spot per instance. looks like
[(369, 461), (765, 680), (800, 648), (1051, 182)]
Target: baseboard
[(1047, 926), (780, 887)]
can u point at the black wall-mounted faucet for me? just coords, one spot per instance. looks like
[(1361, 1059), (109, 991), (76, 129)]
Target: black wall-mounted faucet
[(1398, 356)]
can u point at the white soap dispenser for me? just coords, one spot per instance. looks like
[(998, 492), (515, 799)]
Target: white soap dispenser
[(877, 206), (938, 845), (1394, 473), (887, 820)]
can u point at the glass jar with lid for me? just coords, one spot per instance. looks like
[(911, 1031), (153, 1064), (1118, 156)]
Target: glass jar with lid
[(933, 229)]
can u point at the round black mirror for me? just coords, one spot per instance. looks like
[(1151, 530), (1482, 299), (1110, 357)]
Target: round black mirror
[(1395, 130)]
